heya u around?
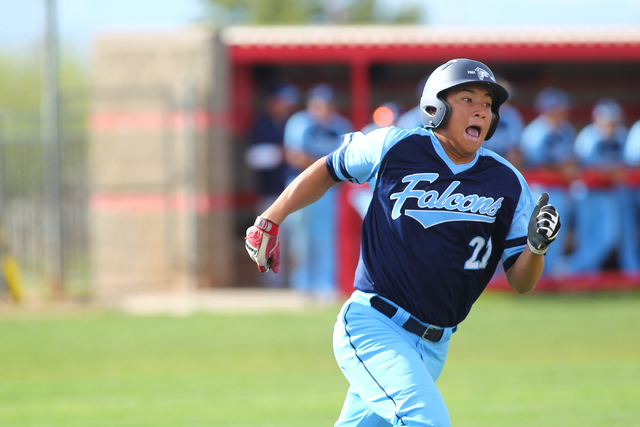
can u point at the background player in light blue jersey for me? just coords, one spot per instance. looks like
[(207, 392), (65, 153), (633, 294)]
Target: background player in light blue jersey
[(309, 135), (631, 156), (548, 143), (606, 211), (549, 138), (444, 212), (632, 146), (506, 139)]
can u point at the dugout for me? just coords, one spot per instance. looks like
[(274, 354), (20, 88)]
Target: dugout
[(170, 193), (370, 65)]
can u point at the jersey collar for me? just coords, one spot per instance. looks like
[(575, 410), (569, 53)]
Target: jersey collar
[(455, 168)]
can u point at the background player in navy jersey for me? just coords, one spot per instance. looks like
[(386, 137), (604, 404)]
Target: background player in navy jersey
[(444, 212)]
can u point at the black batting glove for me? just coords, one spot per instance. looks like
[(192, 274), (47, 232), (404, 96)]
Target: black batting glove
[(544, 225)]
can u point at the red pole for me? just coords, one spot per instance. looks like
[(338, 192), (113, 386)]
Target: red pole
[(360, 89), (243, 94), (349, 221), (349, 229)]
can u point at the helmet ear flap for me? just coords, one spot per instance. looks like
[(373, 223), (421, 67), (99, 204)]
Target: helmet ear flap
[(446, 114), (494, 124), (438, 117)]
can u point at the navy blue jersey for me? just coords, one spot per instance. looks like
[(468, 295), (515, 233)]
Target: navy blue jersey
[(268, 130), (435, 231)]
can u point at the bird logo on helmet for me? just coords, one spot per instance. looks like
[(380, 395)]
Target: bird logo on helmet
[(434, 109), (482, 73)]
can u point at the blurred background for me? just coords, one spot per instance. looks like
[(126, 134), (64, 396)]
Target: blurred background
[(139, 139), (132, 157)]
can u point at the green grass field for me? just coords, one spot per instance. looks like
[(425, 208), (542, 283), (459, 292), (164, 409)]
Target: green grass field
[(536, 360)]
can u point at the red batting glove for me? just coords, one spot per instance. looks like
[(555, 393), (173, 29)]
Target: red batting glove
[(263, 245)]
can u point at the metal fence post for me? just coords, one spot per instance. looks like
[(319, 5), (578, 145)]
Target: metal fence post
[(51, 140), (2, 167), (191, 187)]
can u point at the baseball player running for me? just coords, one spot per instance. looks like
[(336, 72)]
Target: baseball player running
[(444, 212)]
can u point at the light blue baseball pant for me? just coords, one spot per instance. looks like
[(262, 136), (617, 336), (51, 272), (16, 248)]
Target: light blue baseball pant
[(312, 245), (391, 371), (598, 230), (629, 251)]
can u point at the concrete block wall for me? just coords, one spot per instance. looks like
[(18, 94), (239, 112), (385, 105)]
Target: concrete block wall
[(160, 163)]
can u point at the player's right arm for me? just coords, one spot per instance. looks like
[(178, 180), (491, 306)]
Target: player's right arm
[(306, 188), (356, 160), (262, 242)]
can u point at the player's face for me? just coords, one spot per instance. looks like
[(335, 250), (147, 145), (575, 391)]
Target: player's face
[(468, 123), (320, 109)]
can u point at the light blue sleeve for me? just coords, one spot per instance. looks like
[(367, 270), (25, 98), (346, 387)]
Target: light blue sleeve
[(358, 158), (632, 146), (532, 140), (585, 144), (294, 130)]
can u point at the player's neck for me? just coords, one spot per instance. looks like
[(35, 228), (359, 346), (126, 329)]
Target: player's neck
[(452, 149)]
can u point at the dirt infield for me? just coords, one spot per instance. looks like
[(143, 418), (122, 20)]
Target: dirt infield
[(227, 300), (177, 303)]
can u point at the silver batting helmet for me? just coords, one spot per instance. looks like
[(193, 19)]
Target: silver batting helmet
[(455, 73)]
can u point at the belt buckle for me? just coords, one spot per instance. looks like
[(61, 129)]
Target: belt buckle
[(426, 331)]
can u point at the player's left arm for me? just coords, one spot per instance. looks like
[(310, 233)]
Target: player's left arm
[(525, 272), (543, 228)]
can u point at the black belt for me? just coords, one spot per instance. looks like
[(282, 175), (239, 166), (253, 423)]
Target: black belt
[(428, 333)]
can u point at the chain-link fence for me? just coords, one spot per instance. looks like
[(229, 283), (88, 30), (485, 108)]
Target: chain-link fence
[(128, 206), (23, 206)]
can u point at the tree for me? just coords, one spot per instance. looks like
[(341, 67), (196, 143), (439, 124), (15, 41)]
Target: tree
[(260, 12), (21, 79)]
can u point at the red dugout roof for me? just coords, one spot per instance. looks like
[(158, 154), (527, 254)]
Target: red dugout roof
[(339, 44)]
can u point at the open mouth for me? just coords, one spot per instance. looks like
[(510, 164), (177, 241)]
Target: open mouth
[(473, 131)]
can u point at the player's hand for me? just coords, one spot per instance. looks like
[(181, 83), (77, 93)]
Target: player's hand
[(544, 225), (263, 245)]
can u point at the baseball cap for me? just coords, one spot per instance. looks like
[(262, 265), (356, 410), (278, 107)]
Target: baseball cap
[(322, 91), (287, 93), (551, 98), (607, 110)]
